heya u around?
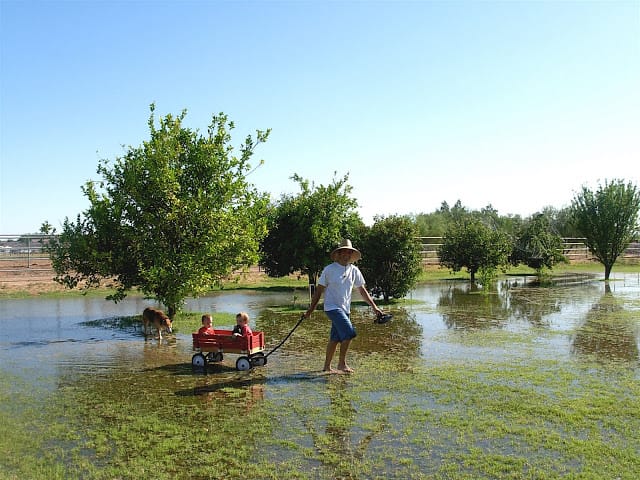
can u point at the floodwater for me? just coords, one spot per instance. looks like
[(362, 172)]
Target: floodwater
[(42, 337), (441, 320), (83, 343)]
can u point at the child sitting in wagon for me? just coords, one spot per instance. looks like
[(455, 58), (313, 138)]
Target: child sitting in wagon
[(206, 328), (213, 344), (242, 328)]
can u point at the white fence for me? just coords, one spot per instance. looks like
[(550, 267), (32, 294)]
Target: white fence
[(21, 252)]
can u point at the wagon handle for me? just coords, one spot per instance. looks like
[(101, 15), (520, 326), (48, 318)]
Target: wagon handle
[(287, 337)]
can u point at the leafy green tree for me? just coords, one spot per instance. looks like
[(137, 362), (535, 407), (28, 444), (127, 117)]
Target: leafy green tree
[(436, 223), (561, 221), (608, 219), (391, 262), (537, 246), (433, 224), (172, 217), (457, 213), (304, 228), (471, 244)]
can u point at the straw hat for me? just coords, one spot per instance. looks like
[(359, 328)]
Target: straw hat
[(346, 245)]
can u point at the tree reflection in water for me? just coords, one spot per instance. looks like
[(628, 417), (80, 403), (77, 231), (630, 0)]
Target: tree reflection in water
[(608, 332), (465, 307), (534, 304)]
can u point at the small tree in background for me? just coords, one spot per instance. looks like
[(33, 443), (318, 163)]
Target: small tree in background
[(561, 221), (433, 224), (471, 244), (174, 216), (391, 262), (304, 228), (608, 219), (536, 246)]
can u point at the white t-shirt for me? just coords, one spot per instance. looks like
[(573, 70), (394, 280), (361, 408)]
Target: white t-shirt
[(339, 281)]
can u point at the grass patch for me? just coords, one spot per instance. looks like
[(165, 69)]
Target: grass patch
[(539, 419), (191, 321), (18, 293), (436, 273), (184, 322)]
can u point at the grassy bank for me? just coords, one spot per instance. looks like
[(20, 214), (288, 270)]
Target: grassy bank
[(436, 273), (261, 281)]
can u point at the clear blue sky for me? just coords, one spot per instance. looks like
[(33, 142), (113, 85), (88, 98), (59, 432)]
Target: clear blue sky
[(514, 104)]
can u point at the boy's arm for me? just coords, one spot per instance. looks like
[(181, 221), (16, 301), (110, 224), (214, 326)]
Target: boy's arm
[(367, 298), (314, 301)]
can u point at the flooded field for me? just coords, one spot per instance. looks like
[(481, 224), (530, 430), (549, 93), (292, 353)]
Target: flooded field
[(520, 382)]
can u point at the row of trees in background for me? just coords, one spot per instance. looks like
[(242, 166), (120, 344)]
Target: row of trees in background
[(482, 241), (435, 224), (176, 216)]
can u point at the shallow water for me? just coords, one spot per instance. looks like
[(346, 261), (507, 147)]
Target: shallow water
[(79, 346), (41, 337), (448, 319)]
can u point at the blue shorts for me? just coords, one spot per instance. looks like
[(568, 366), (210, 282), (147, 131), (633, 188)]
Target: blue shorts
[(341, 327)]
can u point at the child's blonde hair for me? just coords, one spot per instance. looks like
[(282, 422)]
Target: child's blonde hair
[(243, 316), (206, 317)]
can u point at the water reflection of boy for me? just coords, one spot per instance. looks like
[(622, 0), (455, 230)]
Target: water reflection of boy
[(206, 328)]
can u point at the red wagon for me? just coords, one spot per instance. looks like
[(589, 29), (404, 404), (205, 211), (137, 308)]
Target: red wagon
[(251, 348)]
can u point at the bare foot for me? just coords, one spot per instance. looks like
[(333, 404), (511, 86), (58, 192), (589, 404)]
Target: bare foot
[(345, 369), (330, 370)]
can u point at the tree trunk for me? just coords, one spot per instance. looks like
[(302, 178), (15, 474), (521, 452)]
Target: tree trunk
[(607, 271), (312, 285), (172, 310)]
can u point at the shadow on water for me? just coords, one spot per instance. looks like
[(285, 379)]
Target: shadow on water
[(218, 382), (245, 392), (337, 437)]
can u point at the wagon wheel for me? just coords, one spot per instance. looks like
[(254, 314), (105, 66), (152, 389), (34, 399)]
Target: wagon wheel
[(258, 360), (199, 361), (243, 363)]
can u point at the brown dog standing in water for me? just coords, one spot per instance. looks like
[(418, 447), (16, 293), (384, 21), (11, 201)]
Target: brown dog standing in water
[(156, 318)]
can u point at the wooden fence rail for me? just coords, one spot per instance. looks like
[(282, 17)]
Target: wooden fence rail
[(25, 254), (573, 248)]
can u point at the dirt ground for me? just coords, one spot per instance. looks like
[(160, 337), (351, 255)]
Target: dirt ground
[(17, 276), (29, 277)]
